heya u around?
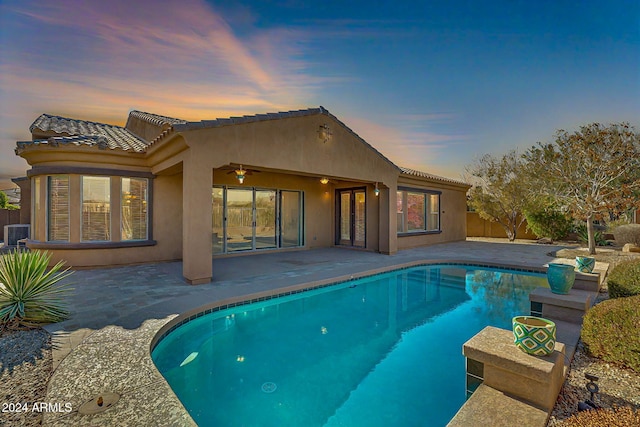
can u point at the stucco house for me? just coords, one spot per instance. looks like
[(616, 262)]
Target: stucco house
[(162, 188)]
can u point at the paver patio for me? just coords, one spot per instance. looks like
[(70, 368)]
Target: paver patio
[(116, 312)]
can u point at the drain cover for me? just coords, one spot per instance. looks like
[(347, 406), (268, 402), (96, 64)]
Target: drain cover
[(99, 403), (269, 387)]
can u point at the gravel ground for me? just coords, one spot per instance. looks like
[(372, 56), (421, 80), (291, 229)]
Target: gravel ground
[(25, 368), (618, 386)]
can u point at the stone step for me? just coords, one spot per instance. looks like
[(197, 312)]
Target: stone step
[(534, 379), (570, 307)]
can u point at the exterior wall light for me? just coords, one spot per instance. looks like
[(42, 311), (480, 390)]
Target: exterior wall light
[(324, 133), (240, 173), (376, 191), (324, 181)]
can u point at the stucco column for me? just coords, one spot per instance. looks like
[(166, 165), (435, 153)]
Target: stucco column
[(196, 219), (388, 219)]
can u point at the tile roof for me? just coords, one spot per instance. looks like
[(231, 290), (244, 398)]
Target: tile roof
[(54, 141), (413, 172), (155, 119), (87, 133), (82, 132)]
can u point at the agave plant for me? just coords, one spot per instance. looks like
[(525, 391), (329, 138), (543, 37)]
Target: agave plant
[(30, 293)]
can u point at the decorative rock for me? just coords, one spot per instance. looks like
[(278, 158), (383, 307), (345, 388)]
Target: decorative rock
[(630, 247)]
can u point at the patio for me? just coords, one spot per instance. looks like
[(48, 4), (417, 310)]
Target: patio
[(116, 312)]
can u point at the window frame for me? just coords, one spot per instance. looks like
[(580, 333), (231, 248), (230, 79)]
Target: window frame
[(74, 173), (110, 220), (145, 202), (427, 211), (48, 208)]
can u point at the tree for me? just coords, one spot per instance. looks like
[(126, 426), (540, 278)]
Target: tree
[(589, 173), (4, 202), (500, 190), (547, 221)]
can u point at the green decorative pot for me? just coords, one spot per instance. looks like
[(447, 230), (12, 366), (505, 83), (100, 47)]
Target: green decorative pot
[(560, 277), (534, 335), (585, 264)]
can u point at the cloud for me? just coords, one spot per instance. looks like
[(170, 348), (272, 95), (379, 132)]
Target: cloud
[(142, 49), (409, 137), (97, 60)]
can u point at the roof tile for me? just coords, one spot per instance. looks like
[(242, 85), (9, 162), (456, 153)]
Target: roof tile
[(82, 132), (413, 172)]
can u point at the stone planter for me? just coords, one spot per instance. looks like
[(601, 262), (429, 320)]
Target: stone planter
[(534, 335), (585, 264), (560, 277)]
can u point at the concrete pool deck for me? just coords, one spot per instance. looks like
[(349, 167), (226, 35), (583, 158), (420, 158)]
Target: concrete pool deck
[(116, 312)]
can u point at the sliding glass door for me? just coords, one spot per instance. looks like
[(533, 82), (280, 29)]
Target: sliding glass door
[(290, 219), (265, 224), (239, 220), (251, 219)]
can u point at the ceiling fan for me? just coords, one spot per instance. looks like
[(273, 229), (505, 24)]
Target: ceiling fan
[(240, 171)]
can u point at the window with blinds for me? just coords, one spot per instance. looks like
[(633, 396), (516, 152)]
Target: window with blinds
[(96, 208), (58, 208), (133, 216), (35, 207)]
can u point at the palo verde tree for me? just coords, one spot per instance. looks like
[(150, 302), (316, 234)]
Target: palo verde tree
[(589, 173), (499, 191)]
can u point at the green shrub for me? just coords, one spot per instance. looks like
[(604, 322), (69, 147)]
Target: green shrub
[(583, 235), (624, 279), (610, 331), (628, 233), (29, 292), (548, 222)]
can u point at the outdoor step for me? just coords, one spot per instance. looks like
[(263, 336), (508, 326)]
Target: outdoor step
[(534, 379), (489, 406), (570, 307)]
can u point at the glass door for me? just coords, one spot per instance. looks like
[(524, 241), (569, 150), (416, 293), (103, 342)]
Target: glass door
[(345, 218), (217, 221), (250, 219), (239, 219), (351, 218), (290, 219), (265, 223)]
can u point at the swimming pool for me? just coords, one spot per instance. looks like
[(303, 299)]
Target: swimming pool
[(385, 350)]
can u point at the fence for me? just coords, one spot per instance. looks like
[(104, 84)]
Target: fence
[(478, 227), (8, 217)]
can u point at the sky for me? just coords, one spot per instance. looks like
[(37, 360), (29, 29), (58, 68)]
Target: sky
[(432, 85)]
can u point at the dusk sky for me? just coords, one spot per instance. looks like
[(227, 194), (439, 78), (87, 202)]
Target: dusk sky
[(431, 84)]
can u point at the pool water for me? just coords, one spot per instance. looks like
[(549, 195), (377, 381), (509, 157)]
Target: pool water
[(380, 351)]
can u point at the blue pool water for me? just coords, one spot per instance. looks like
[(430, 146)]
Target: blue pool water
[(380, 351)]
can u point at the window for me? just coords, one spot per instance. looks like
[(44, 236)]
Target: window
[(58, 208), (96, 208), (400, 211), (418, 211), (133, 204), (35, 207)]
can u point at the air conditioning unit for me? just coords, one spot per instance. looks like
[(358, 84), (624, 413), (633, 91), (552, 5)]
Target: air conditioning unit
[(15, 232)]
